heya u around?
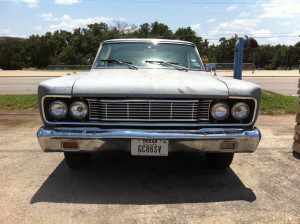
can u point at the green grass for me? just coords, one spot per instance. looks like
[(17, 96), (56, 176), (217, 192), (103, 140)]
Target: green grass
[(272, 103), (18, 101)]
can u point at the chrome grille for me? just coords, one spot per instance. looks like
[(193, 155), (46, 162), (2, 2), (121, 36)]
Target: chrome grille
[(149, 110)]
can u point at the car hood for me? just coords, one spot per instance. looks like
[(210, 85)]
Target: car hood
[(162, 83)]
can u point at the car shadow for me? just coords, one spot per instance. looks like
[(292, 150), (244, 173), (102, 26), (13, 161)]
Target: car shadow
[(116, 177)]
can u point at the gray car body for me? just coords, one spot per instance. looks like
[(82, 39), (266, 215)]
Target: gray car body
[(148, 83)]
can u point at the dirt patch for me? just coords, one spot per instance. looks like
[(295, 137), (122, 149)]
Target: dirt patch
[(19, 112)]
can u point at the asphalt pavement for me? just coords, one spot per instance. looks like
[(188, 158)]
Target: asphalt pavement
[(37, 187), (26, 85)]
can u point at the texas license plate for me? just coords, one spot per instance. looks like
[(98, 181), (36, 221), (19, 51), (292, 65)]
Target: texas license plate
[(149, 147)]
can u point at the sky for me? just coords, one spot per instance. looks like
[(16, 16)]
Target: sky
[(270, 21)]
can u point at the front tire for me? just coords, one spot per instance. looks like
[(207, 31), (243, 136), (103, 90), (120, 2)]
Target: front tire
[(219, 160), (77, 160)]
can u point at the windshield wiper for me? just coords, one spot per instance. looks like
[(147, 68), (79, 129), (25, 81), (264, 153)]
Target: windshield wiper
[(173, 64), (129, 64)]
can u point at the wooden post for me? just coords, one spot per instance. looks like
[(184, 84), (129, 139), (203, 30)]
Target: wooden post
[(296, 145)]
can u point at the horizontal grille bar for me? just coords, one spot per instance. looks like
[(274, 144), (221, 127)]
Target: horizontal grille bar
[(148, 110)]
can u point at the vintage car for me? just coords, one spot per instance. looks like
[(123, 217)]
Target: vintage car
[(148, 96)]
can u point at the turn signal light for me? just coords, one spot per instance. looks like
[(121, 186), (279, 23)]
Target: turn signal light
[(70, 145), (228, 145)]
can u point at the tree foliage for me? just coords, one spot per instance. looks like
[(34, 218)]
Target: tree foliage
[(80, 46)]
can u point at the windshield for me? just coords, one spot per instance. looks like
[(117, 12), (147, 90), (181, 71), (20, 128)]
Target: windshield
[(140, 54)]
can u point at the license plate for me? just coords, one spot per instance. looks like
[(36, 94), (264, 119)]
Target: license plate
[(149, 147)]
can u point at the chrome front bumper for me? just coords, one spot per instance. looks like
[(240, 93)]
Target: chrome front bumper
[(204, 139)]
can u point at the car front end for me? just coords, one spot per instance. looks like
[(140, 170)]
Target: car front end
[(148, 111)]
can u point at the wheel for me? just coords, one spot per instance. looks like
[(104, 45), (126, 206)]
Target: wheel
[(219, 160), (77, 160)]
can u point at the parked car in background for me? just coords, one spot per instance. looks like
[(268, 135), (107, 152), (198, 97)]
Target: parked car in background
[(148, 96)]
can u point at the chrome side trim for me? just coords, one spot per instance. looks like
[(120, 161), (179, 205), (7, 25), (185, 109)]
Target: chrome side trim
[(133, 124)]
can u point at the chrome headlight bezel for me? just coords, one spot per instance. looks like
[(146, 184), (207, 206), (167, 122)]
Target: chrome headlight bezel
[(82, 113), (240, 105), (218, 106), (63, 108)]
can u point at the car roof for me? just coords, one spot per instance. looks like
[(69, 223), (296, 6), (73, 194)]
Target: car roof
[(148, 40)]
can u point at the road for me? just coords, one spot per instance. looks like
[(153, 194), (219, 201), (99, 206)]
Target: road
[(24, 85), (37, 187)]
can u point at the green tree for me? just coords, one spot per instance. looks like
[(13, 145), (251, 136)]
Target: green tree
[(224, 52), (68, 56), (188, 34), (81, 45), (12, 55), (160, 30), (144, 31)]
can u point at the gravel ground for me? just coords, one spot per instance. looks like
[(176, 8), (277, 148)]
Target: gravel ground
[(36, 187)]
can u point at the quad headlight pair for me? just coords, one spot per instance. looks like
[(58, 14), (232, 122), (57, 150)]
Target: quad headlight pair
[(59, 109), (239, 111)]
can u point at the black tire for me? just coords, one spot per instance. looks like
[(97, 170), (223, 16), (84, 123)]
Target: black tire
[(219, 160), (77, 160)]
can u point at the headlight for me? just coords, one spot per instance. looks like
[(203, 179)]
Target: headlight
[(78, 110), (219, 111), (58, 109), (240, 111)]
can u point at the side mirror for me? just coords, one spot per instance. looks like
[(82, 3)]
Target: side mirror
[(211, 67)]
